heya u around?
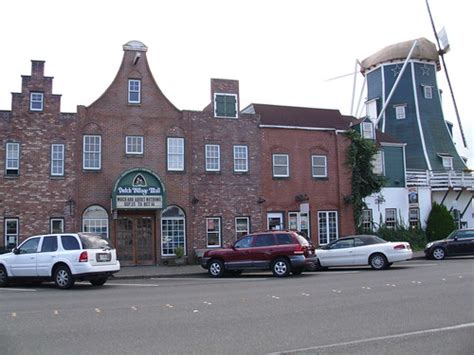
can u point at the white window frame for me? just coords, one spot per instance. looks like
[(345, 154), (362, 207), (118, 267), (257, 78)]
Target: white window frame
[(428, 92), (52, 221), (414, 217), (301, 219), (57, 159), (315, 165), (368, 130), (236, 104), (92, 152), (275, 215), (286, 166), (8, 235), (12, 158), (447, 162), (378, 163), (36, 101), (400, 112), (175, 221), (330, 235), (218, 232), (91, 225), (175, 153), (241, 162), (391, 218), (371, 109), (367, 222), (244, 231), (213, 157), (132, 143), (133, 90)]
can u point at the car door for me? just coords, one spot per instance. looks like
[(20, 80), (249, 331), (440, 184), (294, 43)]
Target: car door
[(462, 243), (240, 257), (263, 250), (47, 255), (360, 252), (338, 253), (23, 261)]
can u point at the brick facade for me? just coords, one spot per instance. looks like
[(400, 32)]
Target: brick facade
[(34, 196)]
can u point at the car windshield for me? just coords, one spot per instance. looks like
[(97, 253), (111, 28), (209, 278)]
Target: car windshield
[(93, 241), (451, 235)]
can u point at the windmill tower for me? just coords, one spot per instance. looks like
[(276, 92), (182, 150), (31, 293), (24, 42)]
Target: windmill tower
[(404, 101)]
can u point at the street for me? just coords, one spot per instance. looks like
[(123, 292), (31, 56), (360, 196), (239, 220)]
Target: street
[(416, 307)]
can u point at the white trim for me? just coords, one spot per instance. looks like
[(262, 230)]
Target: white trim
[(235, 224), (319, 166), (139, 91), (36, 101), (218, 157), (428, 92), (141, 141), (179, 218), (62, 159), (51, 225), (15, 159), (5, 234), (418, 119), (287, 165), (236, 104), (84, 152), (219, 232), (278, 215), (400, 111), (246, 169), (327, 226), (168, 140), (384, 95)]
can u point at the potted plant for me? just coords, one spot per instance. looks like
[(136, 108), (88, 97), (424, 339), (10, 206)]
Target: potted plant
[(179, 253)]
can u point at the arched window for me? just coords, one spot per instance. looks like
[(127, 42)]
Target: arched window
[(173, 230), (96, 220)]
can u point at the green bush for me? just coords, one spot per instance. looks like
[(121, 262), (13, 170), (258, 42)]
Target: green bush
[(440, 223), (179, 252), (415, 236)]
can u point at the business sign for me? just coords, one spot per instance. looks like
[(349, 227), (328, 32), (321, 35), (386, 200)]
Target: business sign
[(138, 189)]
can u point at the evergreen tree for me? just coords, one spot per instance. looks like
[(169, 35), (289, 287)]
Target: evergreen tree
[(440, 223)]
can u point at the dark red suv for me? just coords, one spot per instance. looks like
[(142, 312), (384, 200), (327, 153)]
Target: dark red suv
[(280, 251)]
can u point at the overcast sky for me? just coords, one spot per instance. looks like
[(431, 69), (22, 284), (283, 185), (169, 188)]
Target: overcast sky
[(282, 52)]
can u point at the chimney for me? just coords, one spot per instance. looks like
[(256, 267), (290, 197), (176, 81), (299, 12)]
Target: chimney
[(37, 68)]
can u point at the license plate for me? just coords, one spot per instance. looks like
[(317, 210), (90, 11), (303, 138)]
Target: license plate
[(103, 257)]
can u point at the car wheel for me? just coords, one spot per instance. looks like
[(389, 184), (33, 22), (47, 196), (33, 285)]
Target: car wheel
[(63, 277), (216, 268), (98, 282), (378, 261), (3, 277), (297, 271), (438, 253), (281, 267)]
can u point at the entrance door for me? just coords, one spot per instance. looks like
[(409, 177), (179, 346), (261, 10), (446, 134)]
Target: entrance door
[(135, 240)]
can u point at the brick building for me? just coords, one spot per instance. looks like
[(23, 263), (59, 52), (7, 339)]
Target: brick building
[(151, 177)]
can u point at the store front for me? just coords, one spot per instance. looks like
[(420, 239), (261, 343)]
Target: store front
[(137, 200)]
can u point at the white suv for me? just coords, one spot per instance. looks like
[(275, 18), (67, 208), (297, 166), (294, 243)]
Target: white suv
[(63, 258)]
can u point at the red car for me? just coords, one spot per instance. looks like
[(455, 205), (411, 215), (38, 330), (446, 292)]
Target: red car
[(281, 252)]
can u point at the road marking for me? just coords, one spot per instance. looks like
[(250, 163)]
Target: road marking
[(332, 272), (463, 273), (305, 294), (18, 289), (133, 308), (387, 337), (13, 315), (97, 310), (133, 285), (55, 312), (169, 305)]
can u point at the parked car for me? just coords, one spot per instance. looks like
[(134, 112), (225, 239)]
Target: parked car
[(281, 252), (62, 258), (363, 250), (459, 242)]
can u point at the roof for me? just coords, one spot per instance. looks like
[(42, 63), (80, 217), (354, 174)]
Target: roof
[(274, 115), (424, 50)]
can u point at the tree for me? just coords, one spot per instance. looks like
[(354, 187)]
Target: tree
[(364, 182), (440, 223)]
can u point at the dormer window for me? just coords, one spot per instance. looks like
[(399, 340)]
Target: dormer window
[(400, 112), (36, 101), (428, 91), (225, 105), (367, 130), (448, 163), (134, 91)]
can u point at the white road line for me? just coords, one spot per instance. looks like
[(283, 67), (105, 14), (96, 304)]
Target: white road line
[(355, 342), (333, 272), (18, 289), (132, 285), (462, 273)]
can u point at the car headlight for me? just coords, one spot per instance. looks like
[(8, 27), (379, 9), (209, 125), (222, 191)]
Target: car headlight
[(429, 245)]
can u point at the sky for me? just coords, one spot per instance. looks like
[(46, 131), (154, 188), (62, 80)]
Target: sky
[(282, 52)]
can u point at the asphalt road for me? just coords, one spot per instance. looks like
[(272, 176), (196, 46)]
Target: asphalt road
[(418, 307)]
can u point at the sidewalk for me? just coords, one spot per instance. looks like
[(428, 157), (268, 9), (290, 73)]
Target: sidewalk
[(160, 271)]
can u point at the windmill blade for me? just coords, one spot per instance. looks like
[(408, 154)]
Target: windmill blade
[(441, 53), (339, 77)]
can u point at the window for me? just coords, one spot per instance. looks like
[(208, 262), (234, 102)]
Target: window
[(50, 244), (57, 159), (367, 130), (213, 161), (428, 92), (264, 240), (225, 105), (96, 220), (366, 222), (134, 145), (36, 101), (29, 247), (241, 159), (400, 112), (447, 162), (57, 225), (175, 154), (134, 91), (318, 166), (391, 218), (414, 218), (371, 109), (242, 226), (328, 231), (213, 231), (299, 221), (173, 230), (70, 242), (343, 244), (275, 221), (11, 233), (378, 163), (12, 161), (244, 242), (281, 165), (92, 152)]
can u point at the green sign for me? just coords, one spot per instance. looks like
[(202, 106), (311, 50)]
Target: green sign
[(138, 189)]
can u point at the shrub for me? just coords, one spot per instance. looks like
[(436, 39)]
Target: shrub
[(415, 236), (179, 252), (440, 223)]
